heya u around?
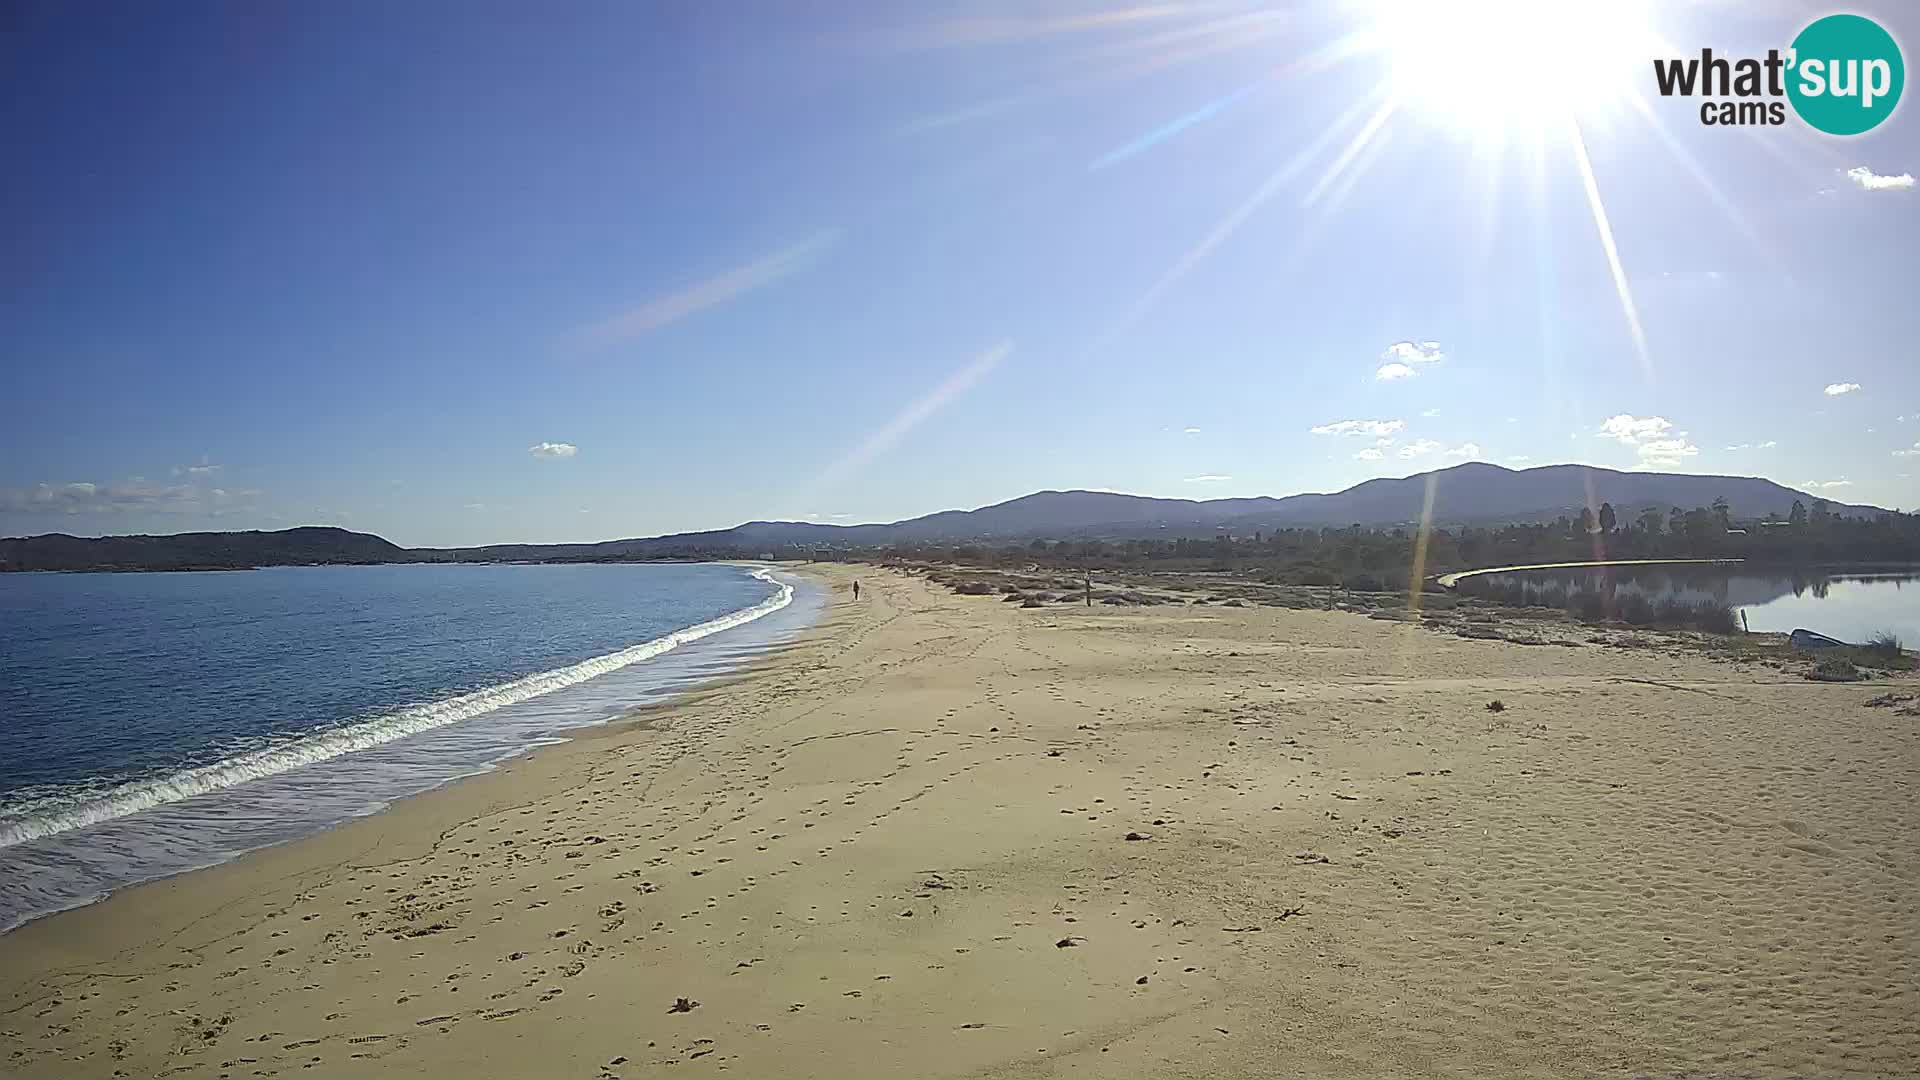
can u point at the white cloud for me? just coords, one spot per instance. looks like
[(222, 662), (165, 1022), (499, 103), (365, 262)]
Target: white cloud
[(86, 497), (1653, 438), (1390, 372), (1413, 352), (1827, 484), (1631, 430), (1835, 389), (1191, 431), (1423, 447), (1662, 453), (474, 506), (1873, 181), (553, 450), (1768, 445), (1208, 478), (1370, 454), (1360, 427), (205, 468), (1519, 458), (1430, 413), (1915, 452)]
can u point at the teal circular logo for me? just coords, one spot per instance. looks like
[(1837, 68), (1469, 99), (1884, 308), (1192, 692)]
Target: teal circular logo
[(1846, 74)]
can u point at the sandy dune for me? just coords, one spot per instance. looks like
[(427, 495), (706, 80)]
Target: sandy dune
[(901, 849)]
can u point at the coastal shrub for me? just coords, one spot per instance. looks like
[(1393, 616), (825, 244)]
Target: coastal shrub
[(1885, 643), (1865, 656), (1834, 669), (1715, 617), (1483, 588), (1587, 606), (1362, 583), (1637, 610), (1673, 611), (973, 588)]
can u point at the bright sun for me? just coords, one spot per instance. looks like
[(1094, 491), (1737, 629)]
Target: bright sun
[(1508, 67)]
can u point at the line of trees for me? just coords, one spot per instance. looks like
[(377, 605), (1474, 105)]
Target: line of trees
[(1387, 558)]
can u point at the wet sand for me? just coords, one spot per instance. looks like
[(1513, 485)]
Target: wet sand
[(946, 836)]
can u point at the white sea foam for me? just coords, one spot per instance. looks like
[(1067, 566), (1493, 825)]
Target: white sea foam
[(139, 795)]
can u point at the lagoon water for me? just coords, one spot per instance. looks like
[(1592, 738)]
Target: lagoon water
[(1846, 604)]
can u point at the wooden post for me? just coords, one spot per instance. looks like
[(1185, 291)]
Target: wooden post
[(1089, 586)]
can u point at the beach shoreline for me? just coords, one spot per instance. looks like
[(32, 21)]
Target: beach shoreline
[(68, 853), (943, 835)]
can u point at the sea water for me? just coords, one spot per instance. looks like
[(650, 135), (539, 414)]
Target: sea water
[(156, 723)]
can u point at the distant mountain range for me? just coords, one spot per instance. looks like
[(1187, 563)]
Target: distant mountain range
[(1473, 493)]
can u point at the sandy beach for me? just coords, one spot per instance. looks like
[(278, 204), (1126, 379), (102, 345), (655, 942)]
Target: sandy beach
[(946, 836)]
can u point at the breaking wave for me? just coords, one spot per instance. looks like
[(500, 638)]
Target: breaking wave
[(47, 817)]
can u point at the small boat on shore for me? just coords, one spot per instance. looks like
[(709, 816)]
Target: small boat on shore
[(1808, 641)]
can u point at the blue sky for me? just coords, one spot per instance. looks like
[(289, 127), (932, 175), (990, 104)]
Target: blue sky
[(464, 273)]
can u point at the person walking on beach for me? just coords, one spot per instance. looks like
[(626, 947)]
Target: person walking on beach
[(856, 588)]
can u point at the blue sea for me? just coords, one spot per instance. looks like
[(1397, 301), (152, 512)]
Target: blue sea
[(155, 723)]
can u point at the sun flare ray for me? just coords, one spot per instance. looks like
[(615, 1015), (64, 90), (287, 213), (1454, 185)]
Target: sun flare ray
[(1598, 207)]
